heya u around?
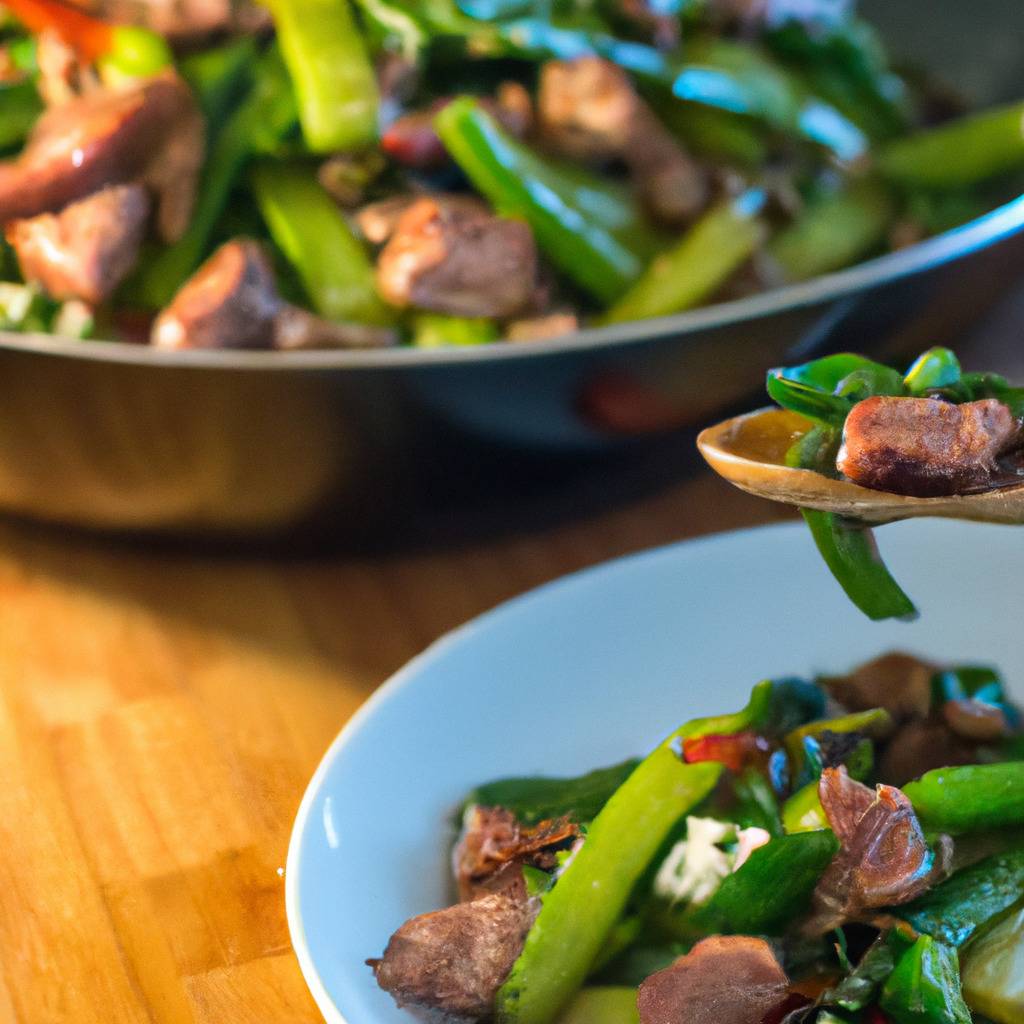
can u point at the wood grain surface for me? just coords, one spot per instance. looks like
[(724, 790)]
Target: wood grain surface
[(160, 715)]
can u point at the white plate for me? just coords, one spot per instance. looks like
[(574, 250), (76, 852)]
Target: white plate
[(585, 672)]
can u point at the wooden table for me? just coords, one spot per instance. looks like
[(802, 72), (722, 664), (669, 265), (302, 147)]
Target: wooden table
[(160, 716)]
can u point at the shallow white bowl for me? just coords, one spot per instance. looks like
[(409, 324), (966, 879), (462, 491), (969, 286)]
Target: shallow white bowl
[(585, 672)]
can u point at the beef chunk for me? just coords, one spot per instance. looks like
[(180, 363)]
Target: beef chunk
[(493, 837), (921, 746), (458, 261), (925, 447), (975, 720), (898, 682), (883, 860), (179, 19), (455, 960), (377, 221), (296, 329), (106, 137), (731, 979), (230, 302), (588, 110), (85, 251)]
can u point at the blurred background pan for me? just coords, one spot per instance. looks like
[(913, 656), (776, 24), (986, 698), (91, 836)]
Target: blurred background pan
[(365, 448)]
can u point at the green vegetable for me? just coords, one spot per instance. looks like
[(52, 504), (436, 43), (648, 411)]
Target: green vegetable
[(706, 256), (803, 812), (876, 723), (834, 230), (536, 799), (309, 229), (993, 971), (755, 803), (964, 152), (217, 76), (20, 106), (580, 912), (850, 552), (602, 1006), (258, 125), (773, 887), (334, 79), (861, 986), (936, 368), (435, 330), (135, 52), (971, 798), (626, 931), (954, 911), (924, 987), (591, 229)]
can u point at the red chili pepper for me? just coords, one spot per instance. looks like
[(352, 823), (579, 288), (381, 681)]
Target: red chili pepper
[(89, 37), (736, 751)]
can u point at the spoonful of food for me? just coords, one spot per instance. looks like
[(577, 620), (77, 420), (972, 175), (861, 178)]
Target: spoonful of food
[(855, 443)]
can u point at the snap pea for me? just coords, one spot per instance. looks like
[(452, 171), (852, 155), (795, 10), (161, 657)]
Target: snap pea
[(924, 987), (834, 230), (592, 229), (773, 887), (971, 798), (335, 85), (707, 255), (309, 229), (534, 799), (963, 152), (953, 911)]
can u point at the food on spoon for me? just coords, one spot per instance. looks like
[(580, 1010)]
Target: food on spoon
[(684, 885), (859, 443), (585, 166)]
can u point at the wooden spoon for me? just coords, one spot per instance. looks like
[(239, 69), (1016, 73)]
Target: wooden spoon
[(749, 451)]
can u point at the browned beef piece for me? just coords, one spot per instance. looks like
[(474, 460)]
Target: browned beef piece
[(230, 302), (106, 137), (179, 19), (587, 109), (975, 720), (455, 960), (62, 72), (296, 329), (538, 328), (85, 251), (663, 29), (923, 446), (921, 746), (730, 979), (459, 261), (493, 837), (883, 860), (898, 682), (377, 221)]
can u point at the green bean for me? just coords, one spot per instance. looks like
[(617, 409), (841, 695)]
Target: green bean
[(435, 330), (971, 798), (602, 1006), (334, 80), (709, 252), (964, 152), (924, 987), (309, 229), (833, 231)]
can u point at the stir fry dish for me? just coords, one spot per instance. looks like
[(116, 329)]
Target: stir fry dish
[(327, 173), (868, 444), (845, 850)]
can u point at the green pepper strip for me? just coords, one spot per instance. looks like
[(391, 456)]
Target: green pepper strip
[(964, 152), (924, 987), (954, 911), (834, 231), (309, 229), (20, 107), (972, 798), (709, 252), (580, 912), (603, 1005), (334, 79), (803, 812), (261, 122), (217, 75), (583, 223), (436, 330)]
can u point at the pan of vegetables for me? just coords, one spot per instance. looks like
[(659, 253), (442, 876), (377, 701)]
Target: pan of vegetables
[(265, 266)]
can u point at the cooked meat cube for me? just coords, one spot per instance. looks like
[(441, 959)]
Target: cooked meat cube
[(921, 746), (85, 251), (537, 328), (460, 261), (173, 175), (455, 960), (588, 109), (493, 837), (975, 720), (376, 221), (230, 302), (900, 683), (296, 329), (106, 137), (925, 447), (730, 979), (883, 860)]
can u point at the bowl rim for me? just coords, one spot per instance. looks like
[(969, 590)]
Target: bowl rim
[(991, 227)]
